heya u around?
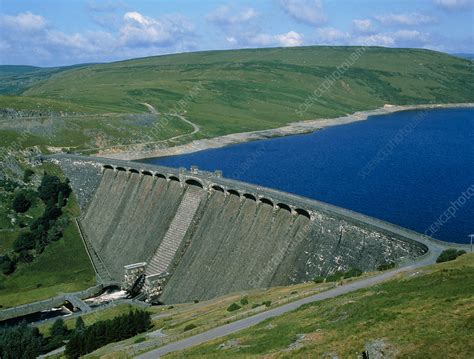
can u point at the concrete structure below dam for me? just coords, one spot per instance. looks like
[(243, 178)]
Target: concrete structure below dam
[(181, 235)]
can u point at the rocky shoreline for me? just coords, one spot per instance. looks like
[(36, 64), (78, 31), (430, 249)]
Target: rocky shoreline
[(294, 128)]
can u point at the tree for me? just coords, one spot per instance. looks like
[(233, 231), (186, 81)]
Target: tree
[(27, 175), (25, 241), (80, 325), (21, 203), (7, 265), (58, 329)]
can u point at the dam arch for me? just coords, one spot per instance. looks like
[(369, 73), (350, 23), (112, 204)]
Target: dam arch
[(284, 206), (218, 188), (159, 175), (303, 212), (133, 170), (147, 173), (118, 168), (233, 192), (193, 182), (250, 196), (108, 167), (174, 178), (266, 201)]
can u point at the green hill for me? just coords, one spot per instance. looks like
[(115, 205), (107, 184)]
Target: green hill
[(427, 313), (253, 89)]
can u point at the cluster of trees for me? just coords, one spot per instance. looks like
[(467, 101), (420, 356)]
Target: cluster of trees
[(43, 230), (449, 254), (24, 341), (21, 341), (87, 339)]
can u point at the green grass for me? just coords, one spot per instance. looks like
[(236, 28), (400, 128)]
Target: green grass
[(91, 318), (242, 90), (63, 266), (426, 314)]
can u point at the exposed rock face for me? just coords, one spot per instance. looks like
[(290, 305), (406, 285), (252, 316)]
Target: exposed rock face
[(237, 239)]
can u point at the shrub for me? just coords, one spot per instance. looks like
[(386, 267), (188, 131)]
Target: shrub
[(196, 300), (25, 257), (139, 340), (255, 305), (244, 301), (7, 265), (25, 241), (335, 277), (449, 255), (27, 175), (21, 203), (189, 327), (354, 272), (386, 266), (318, 279), (233, 307), (58, 329), (267, 303)]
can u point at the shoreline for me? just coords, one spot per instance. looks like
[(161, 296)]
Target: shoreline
[(294, 128)]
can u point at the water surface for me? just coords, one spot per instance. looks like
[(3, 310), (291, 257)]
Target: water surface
[(410, 168)]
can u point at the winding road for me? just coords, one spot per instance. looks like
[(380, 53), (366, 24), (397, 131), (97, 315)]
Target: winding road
[(245, 323)]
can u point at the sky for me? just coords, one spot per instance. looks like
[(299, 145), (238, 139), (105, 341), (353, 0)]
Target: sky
[(53, 32)]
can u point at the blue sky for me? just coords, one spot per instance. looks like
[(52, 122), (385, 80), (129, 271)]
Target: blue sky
[(52, 32)]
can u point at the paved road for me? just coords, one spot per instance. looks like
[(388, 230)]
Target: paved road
[(253, 320)]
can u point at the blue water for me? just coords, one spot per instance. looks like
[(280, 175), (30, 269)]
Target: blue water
[(408, 168)]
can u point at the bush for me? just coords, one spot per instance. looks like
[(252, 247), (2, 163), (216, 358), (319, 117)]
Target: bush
[(318, 279), (335, 277), (58, 329), (7, 265), (27, 175), (449, 255), (244, 301), (233, 307), (50, 188), (25, 257), (255, 305), (354, 272), (139, 340), (386, 266), (25, 241), (21, 203), (267, 303), (189, 327), (196, 300)]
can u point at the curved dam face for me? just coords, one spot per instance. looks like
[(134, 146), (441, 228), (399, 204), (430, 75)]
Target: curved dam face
[(205, 236)]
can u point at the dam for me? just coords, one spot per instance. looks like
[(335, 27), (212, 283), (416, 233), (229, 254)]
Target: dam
[(182, 235)]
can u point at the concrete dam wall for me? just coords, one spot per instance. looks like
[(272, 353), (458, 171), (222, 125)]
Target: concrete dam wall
[(207, 235)]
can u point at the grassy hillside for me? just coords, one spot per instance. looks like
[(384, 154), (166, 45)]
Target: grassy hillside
[(426, 314), (252, 89), (63, 266), (14, 79)]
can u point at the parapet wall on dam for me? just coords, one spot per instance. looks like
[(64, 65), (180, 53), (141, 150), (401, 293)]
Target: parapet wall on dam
[(204, 235)]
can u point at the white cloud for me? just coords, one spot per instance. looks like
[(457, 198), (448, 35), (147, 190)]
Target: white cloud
[(139, 30), (23, 22), (454, 4), (309, 12), (226, 16), (405, 19), (331, 35), (362, 26), (291, 38), (29, 36)]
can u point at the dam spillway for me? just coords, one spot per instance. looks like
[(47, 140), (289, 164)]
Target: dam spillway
[(208, 236)]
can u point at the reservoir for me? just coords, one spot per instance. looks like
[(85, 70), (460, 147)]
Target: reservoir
[(411, 168)]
